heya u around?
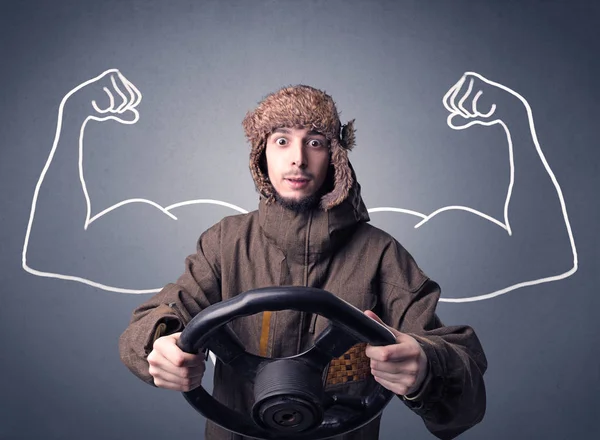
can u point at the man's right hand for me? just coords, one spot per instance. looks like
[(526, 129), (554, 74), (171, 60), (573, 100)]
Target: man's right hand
[(173, 368)]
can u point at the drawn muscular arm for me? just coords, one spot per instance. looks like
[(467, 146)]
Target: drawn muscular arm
[(532, 242), (122, 248)]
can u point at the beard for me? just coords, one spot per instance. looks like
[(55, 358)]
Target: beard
[(308, 203), (305, 204)]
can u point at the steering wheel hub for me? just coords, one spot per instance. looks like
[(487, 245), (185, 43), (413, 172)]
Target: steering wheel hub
[(288, 396)]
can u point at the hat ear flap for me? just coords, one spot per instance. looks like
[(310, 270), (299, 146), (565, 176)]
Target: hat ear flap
[(342, 176), (348, 137), (261, 179)]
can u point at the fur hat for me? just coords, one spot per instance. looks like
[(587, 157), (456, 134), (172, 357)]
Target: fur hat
[(301, 106)]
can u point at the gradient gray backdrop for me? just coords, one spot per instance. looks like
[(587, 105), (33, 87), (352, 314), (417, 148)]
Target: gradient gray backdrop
[(200, 66)]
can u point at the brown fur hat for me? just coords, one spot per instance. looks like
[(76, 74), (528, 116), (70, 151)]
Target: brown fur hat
[(301, 106)]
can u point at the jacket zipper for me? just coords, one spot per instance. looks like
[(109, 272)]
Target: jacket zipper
[(305, 281), (267, 315)]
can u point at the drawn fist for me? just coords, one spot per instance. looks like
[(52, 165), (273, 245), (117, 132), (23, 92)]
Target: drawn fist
[(463, 101), (112, 96)]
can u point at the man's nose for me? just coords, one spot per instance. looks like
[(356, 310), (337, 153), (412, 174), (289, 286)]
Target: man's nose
[(298, 155)]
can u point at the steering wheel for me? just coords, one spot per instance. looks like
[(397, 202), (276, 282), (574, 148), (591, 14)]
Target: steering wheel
[(290, 399)]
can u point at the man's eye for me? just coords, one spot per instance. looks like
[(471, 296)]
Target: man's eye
[(315, 143), (281, 141)]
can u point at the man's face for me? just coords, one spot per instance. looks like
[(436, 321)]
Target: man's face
[(297, 162)]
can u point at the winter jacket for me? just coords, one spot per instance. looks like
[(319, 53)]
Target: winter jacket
[(336, 250)]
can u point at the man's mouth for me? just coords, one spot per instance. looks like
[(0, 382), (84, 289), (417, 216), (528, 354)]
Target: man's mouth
[(297, 182)]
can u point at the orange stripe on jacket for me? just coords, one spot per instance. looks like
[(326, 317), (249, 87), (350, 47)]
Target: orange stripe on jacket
[(264, 334)]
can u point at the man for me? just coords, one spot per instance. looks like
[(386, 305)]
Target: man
[(311, 230)]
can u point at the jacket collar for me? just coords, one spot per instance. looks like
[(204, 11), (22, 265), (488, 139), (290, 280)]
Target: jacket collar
[(307, 236)]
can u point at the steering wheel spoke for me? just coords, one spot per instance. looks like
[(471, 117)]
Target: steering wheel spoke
[(227, 347), (225, 344), (333, 342), (336, 340), (356, 403)]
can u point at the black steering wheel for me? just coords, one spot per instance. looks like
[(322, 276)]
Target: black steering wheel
[(290, 399)]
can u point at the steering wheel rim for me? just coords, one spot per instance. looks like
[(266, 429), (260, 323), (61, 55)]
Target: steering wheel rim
[(338, 414)]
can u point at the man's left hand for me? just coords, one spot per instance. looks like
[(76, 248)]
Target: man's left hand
[(400, 367)]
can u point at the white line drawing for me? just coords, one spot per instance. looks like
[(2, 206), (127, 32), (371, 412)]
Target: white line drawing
[(129, 103), (458, 109), (131, 97)]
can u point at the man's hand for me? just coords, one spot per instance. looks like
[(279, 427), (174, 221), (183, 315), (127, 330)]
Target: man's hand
[(400, 367), (173, 368)]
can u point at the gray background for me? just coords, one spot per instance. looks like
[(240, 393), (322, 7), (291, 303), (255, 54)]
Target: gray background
[(200, 66)]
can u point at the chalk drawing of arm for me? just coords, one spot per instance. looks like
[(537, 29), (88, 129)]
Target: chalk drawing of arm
[(464, 104), (109, 96)]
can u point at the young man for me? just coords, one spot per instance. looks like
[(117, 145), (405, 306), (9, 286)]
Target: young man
[(311, 229)]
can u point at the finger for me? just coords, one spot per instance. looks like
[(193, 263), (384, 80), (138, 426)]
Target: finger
[(111, 101), (380, 353), (462, 123), (167, 347), (124, 100), (448, 95), (397, 388), (406, 348), (96, 107), (464, 98), (453, 96), (182, 376), (454, 99), (374, 316), (391, 353), (137, 94), (409, 367), (159, 361), (160, 367), (407, 378), (177, 386), (477, 112), (179, 358), (132, 96)]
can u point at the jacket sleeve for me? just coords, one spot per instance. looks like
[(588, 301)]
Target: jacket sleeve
[(452, 398), (175, 305)]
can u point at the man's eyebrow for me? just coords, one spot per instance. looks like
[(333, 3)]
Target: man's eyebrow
[(288, 131)]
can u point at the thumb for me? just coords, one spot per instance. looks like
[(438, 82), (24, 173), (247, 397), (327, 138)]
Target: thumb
[(374, 317), (129, 116)]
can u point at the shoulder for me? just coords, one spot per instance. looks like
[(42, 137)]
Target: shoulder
[(232, 225), (375, 236), (226, 231), (237, 220)]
